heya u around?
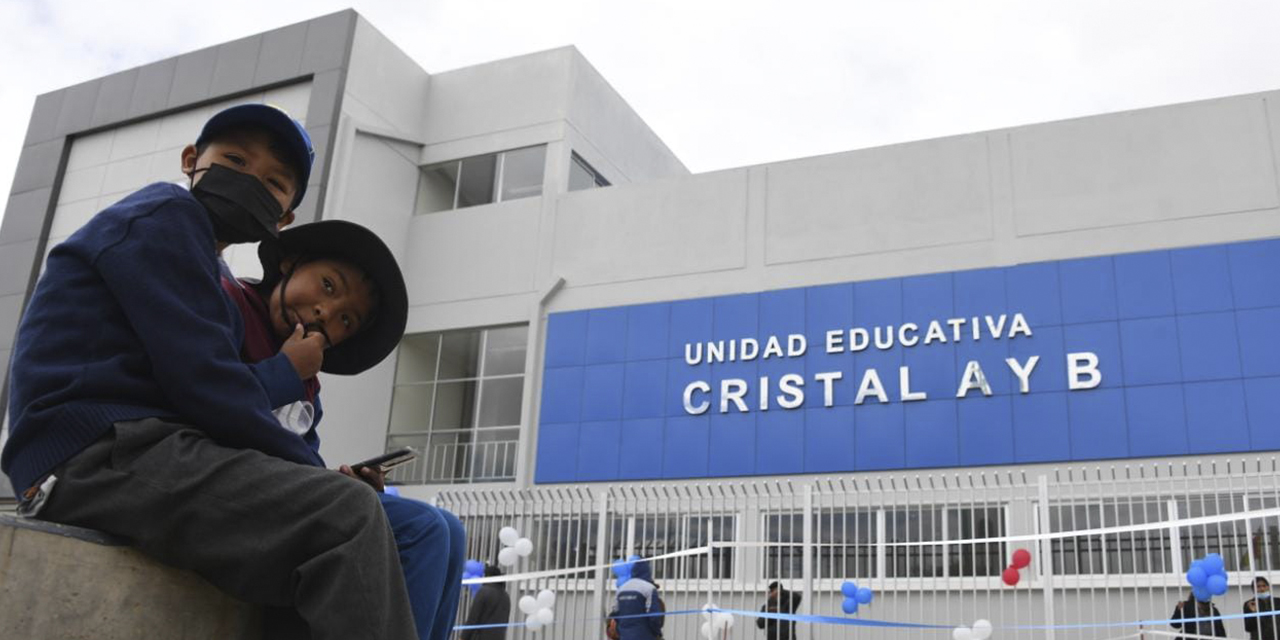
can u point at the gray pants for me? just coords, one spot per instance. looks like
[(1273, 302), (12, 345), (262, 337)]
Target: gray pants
[(262, 529)]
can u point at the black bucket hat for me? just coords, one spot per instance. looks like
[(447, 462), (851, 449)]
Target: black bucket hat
[(349, 242)]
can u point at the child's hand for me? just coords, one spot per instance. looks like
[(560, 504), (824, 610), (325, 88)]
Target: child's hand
[(373, 476), (305, 352)]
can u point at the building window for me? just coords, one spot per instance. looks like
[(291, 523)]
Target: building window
[(656, 535), (458, 400), (496, 177), (1141, 552), (583, 176), (929, 524), (845, 544)]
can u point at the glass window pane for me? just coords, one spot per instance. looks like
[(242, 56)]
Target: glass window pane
[(411, 408), (500, 402), (478, 175), (459, 354), (454, 406), (437, 187), (522, 172), (505, 351), (580, 176), (416, 361)]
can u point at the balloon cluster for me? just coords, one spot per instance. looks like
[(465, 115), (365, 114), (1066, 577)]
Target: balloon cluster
[(622, 569), (1207, 577), (715, 623), (981, 630), (514, 547), (854, 596), (473, 569), (537, 610), (1012, 573)]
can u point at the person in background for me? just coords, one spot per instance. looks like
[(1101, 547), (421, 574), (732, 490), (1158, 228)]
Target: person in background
[(779, 601), (636, 597), (1190, 609), (1261, 627), (492, 605)]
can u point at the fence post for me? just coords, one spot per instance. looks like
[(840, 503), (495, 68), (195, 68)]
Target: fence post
[(602, 551), (1046, 557), (806, 562)]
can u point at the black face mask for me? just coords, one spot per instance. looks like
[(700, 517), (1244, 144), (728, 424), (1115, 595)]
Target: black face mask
[(239, 205)]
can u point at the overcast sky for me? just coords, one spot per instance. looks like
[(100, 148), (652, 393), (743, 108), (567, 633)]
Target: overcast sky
[(730, 83)]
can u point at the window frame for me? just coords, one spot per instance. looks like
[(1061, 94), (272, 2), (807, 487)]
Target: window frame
[(495, 187)]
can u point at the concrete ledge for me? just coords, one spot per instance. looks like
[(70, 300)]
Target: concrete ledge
[(76, 584)]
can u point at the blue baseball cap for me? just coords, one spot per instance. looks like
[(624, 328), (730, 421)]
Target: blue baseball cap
[(274, 119)]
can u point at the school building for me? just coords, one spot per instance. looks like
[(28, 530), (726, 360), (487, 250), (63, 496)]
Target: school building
[(821, 364)]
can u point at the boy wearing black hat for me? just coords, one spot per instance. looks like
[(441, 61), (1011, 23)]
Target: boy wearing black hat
[(131, 413), (337, 280)]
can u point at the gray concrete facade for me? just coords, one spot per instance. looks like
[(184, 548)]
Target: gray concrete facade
[(1174, 176)]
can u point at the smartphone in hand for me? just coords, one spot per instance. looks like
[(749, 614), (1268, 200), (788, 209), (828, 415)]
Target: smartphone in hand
[(387, 461)]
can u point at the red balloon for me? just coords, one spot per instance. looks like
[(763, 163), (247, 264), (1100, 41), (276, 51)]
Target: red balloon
[(1021, 558), (1011, 576)]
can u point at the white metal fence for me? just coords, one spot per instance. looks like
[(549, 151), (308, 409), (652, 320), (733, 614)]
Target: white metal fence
[(811, 534)]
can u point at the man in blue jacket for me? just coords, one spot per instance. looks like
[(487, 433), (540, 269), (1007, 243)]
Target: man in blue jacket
[(131, 412), (636, 597)]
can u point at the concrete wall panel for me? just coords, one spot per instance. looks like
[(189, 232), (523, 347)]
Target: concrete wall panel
[(879, 200), (1196, 159)]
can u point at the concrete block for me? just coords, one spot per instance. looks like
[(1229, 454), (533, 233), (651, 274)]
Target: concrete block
[(65, 582), (10, 314), (237, 61), (24, 215), (280, 57), (44, 118), (114, 97), (38, 165), (322, 106), (151, 93), (328, 38), (16, 262), (192, 75), (75, 114)]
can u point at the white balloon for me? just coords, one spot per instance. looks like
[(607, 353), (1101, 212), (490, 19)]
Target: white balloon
[(528, 605), (508, 535), (962, 633), (723, 620), (982, 630), (706, 630), (523, 546), (545, 616), (706, 610), (508, 557), (546, 599), (532, 623)]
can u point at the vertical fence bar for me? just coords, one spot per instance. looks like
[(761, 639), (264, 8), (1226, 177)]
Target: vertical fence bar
[(1046, 551)]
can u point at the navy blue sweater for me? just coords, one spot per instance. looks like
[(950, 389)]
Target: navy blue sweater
[(129, 321)]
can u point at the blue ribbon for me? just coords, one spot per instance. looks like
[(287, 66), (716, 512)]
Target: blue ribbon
[(860, 622)]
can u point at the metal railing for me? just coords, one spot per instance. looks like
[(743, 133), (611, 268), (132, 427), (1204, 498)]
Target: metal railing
[(458, 462), (905, 536)]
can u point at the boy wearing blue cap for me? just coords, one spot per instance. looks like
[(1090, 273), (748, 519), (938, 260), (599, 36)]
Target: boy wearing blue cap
[(131, 412)]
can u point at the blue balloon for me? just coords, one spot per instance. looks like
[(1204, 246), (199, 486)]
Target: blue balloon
[(849, 605), (1196, 577), (1202, 594), (849, 589), (864, 595), (474, 567), (1216, 584), (474, 588), (1213, 564)]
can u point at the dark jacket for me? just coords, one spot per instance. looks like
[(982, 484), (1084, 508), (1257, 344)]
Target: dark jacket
[(638, 596), (491, 605), (1187, 610), (129, 321), (1263, 627), (784, 602)]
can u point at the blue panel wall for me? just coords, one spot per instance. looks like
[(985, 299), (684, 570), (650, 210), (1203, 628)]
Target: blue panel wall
[(1186, 340)]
